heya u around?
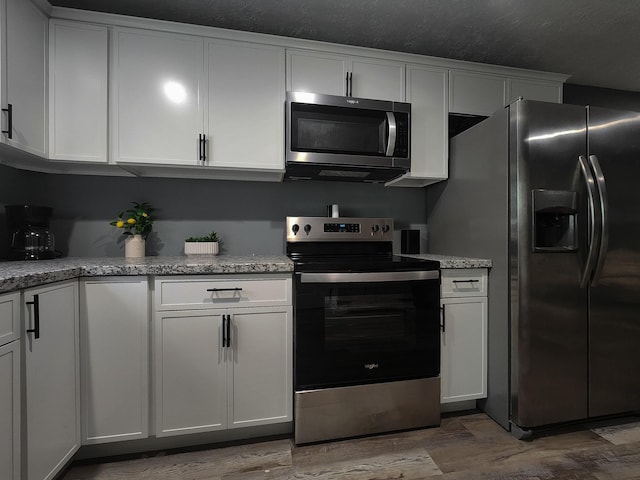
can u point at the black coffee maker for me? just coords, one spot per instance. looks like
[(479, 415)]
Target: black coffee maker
[(28, 233)]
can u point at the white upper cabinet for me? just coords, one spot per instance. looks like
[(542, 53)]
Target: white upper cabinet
[(316, 72), (332, 74), (427, 93), (476, 93), (534, 90), (24, 76), (379, 79), (157, 105), (78, 60), (246, 93)]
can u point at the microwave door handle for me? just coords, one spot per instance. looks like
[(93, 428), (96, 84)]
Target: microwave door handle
[(391, 139)]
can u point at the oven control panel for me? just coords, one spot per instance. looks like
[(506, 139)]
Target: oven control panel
[(330, 229)]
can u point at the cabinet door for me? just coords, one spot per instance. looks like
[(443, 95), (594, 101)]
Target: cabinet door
[(464, 349), (26, 44), (9, 317), (78, 91), (534, 90), (260, 389), (246, 98), (157, 97), (10, 411), (51, 373), (190, 373), (476, 93), (316, 72), (114, 330), (379, 79), (427, 93)]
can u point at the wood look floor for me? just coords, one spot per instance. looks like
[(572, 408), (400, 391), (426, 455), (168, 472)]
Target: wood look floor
[(464, 447)]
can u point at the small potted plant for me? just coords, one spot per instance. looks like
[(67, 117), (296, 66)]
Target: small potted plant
[(206, 245), (136, 224)]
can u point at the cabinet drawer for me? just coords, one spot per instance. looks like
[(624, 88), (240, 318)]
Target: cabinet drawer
[(9, 317), (470, 282), (223, 291)]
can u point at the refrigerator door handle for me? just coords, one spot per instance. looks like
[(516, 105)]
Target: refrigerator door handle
[(594, 222), (604, 218)]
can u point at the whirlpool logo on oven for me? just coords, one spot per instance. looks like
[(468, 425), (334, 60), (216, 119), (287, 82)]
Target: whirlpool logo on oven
[(371, 366)]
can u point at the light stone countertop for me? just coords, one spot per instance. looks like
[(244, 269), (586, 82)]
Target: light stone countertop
[(448, 261), (25, 274)]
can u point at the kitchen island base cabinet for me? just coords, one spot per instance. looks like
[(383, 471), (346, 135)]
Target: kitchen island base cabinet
[(114, 329), (51, 359), (464, 335), (219, 364)]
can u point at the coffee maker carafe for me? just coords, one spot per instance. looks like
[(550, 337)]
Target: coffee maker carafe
[(28, 233)]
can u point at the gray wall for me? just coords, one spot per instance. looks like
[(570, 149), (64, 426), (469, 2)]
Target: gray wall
[(249, 216)]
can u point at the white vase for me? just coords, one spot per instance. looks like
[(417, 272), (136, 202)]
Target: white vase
[(201, 248), (134, 246)]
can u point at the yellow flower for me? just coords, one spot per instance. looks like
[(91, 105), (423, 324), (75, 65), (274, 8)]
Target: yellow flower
[(120, 224), (145, 215), (131, 221)]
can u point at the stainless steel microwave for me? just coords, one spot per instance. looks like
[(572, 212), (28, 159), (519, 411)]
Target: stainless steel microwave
[(346, 138)]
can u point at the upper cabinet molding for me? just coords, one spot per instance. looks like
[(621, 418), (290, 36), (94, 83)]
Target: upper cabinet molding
[(287, 42)]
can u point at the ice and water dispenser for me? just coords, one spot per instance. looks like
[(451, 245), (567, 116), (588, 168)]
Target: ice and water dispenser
[(554, 218)]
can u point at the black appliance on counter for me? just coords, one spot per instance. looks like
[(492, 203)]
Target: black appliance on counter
[(28, 233), (366, 330)]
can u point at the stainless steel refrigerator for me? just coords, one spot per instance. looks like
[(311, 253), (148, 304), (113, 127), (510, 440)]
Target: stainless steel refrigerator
[(551, 194)]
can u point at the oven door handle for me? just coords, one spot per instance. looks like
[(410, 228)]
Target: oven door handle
[(365, 277)]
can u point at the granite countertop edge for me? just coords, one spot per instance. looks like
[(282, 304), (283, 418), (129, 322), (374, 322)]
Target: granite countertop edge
[(451, 261), (26, 274)]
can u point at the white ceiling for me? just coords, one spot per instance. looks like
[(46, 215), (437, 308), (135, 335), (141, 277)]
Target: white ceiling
[(594, 41)]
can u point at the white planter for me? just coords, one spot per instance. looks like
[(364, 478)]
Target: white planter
[(134, 246), (201, 248)]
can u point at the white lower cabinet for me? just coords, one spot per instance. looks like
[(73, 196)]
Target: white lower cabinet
[(114, 339), (50, 344), (203, 385), (221, 368), (463, 369), (10, 386)]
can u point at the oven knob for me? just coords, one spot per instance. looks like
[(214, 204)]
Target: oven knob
[(375, 228), (307, 228), (385, 228), (294, 228)]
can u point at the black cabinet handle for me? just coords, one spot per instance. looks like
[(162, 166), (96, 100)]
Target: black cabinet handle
[(9, 130), (224, 331), (443, 325), (236, 289), (346, 85), (202, 147), (465, 281), (228, 331), (36, 317), (350, 89)]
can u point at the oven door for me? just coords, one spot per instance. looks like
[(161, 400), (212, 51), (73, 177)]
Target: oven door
[(359, 328)]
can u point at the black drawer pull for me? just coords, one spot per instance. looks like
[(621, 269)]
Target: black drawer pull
[(465, 281), (237, 289), (9, 130)]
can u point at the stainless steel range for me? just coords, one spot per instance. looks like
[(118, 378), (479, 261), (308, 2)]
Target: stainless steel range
[(367, 330)]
